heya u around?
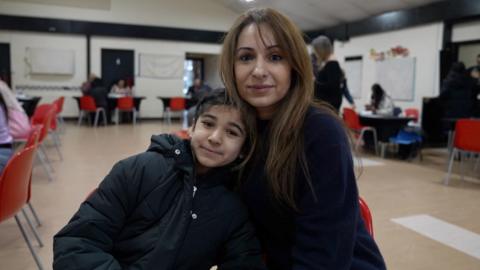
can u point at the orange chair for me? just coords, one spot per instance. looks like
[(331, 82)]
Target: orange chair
[(182, 134), (33, 141), (14, 190), (87, 105), (352, 120), (366, 215), (177, 104), (412, 112), (466, 139), (126, 104)]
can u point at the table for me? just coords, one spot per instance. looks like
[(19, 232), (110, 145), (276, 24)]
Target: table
[(29, 103), (386, 126)]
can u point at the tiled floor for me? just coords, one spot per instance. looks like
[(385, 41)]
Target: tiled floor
[(392, 188)]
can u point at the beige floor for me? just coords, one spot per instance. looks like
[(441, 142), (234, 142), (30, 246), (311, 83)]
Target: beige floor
[(396, 189)]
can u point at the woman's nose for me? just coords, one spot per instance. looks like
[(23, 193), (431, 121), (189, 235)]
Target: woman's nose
[(260, 69)]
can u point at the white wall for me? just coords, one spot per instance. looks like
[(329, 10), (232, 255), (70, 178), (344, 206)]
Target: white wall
[(204, 14), (149, 87), (20, 41), (212, 75), (466, 31), (468, 54), (424, 43)]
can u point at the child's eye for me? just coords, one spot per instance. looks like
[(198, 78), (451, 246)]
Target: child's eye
[(231, 132), (207, 124)]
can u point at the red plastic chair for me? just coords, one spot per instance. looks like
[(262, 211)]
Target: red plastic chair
[(126, 104), (87, 105), (412, 112), (182, 134), (366, 215), (33, 141), (465, 140), (45, 115), (177, 104), (58, 110), (14, 192), (352, 120)]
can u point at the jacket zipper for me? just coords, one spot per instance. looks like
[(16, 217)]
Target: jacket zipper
[(194, 216)]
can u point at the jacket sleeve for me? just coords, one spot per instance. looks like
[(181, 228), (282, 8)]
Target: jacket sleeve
[(86, 242), (242, 249), (325, 226)]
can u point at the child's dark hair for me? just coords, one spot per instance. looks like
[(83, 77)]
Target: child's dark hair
[(219, 97)]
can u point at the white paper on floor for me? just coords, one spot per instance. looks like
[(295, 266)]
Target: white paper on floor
[(365, 162)]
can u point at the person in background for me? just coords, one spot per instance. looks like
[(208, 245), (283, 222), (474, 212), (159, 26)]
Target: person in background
[(6, 140), (328, 75), (300, 185), (459, 92), (346, 91), (100, 94), (380, 102), (121, 88), (86, 86), (18, 122), (195, 93), (169, 208)]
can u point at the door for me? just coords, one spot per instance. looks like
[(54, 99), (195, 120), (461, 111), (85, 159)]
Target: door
[(5, 74), (117, 64)]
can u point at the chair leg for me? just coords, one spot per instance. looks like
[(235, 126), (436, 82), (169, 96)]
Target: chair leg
[(117, 116), (56, 144), (359, 140), (134, 115), (80, 118), (104, 114), (44, 153), (463, 156), (450, 165), (44, 165), (375, 140), (95, 122), (34, 254), (32, 228), (34, 213)]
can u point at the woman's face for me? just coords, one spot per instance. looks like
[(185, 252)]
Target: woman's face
[(262, 73)]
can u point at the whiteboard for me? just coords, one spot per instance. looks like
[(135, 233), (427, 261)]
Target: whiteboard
[(397, 77), (353, 72), (51, 61), (161, 66)]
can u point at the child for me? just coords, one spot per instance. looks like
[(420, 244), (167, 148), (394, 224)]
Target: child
[(167, 208)]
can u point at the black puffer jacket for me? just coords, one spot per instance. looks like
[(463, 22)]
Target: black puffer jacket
[(146, 215)]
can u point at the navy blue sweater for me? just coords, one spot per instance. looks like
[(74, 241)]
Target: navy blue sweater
[(327, 232)]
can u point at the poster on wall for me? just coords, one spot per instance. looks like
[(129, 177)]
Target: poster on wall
[(48, 61), (353, 72), (161, 66), (397, 77)]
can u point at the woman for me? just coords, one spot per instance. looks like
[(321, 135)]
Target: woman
[(328, 75), (380, 102), (300, 185)]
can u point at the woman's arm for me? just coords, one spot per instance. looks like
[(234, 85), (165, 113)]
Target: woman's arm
[(86, 242), (326, 224)]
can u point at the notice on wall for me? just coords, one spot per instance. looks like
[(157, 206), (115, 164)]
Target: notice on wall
[(161, 66), (50, 61), (397, 77)]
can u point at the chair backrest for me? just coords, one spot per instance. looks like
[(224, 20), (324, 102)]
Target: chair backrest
[(87, 103), (182, 134), (351, 119), (14, 183), (44, 115), (59, 102), (177, 104), (32, 139), (412, 112), (366, 215), (125, 103), (467, 135)]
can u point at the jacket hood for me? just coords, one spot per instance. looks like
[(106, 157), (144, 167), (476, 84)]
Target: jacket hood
[(164, 143), (171, 146)]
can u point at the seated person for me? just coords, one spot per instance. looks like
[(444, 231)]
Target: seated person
[(195, 93), (121, 88), (100, 95), (6, 140), (169, 208), (458, 91), (380, 102), (86, 86)]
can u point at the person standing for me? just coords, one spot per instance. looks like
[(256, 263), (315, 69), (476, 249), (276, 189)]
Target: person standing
[(328, 75), (300, 185)]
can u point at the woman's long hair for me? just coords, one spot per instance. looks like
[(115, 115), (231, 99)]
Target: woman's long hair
[(285, 137), (377, 95)]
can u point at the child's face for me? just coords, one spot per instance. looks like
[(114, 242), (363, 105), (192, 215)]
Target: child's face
[(217, 137)]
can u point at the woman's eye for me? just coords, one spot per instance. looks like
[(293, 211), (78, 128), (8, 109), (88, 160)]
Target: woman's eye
[(276, 57), (245, 57)]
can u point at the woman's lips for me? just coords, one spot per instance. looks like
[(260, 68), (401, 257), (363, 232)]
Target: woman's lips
[(260, 86)]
